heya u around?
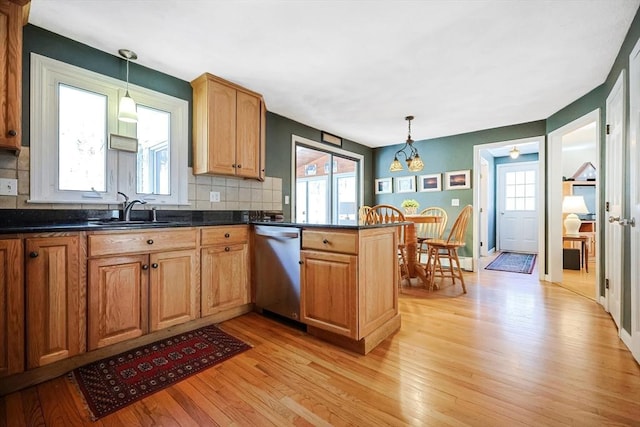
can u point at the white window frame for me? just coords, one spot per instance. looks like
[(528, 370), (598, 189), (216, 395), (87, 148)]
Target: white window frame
[(46, 74)]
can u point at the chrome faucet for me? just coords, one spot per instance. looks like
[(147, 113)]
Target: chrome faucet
[(128, 205)]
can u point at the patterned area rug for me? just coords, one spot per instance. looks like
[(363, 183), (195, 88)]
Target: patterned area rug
[(115, 382), (513, 262)]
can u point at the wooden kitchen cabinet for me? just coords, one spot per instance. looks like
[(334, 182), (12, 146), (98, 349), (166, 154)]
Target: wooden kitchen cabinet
[(329, 286), (55, 298), (173, 290), (228, 129), (11, 307), (13, 15), (224, 260), (349, 285), (153, 287)]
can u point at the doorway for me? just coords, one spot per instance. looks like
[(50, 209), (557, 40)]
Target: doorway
[(573, 152), (485, 160)]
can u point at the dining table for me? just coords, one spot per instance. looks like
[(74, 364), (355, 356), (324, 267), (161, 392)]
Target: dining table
[(411, 244)]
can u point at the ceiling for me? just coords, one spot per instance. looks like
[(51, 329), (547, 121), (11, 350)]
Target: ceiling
[(357, 68)]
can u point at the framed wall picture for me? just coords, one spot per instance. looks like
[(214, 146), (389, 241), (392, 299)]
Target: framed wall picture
[(432, 182), (383, 186), (457, 180), (405, 184)]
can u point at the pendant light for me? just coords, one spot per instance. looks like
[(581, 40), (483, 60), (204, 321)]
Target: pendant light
[(514, 153), (127, 111), (414, 162)]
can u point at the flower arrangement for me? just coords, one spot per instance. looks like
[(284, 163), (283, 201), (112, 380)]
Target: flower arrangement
[(410, 206)]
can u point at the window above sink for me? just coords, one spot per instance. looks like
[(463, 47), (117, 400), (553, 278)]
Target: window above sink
[(74, 113)]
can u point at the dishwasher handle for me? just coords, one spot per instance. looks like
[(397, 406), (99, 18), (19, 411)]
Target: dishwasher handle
[(280, 234)]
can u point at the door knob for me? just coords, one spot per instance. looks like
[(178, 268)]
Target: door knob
[(613, 219), (631, 222)]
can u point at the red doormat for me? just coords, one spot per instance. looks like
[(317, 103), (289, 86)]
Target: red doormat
[(513, 262), (115, 382)]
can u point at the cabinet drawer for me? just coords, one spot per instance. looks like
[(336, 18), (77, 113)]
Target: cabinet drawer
[(224, 235), (141, 241), (330, 240)]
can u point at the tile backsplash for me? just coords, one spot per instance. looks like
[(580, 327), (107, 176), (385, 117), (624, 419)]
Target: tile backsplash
[(235, 193)]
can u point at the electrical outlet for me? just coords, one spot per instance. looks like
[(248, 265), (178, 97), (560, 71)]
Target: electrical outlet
[(455, 202), (214, 196), (8, 187)]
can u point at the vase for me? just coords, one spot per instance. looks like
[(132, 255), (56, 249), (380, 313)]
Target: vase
[(412, 210)]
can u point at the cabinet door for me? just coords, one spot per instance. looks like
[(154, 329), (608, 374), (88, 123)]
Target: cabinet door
[(328, 288), (221, 158), (118, 292), (10, 75), (11, 307), (173, 289), (225, 281), (55, 308), (248, 139)]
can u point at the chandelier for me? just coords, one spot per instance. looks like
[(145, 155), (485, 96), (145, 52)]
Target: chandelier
[(410, 153)]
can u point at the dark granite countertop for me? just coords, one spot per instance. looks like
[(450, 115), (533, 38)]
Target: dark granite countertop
[(35, 221)]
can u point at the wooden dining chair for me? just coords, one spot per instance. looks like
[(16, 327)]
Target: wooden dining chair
[(431, 230), (439, 249), (386, 214), (362, 213)]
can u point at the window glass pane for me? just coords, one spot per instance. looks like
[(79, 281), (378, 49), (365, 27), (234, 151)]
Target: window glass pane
[(510, 204), (153, 151), (511, 190), (530, 190), (530, 204), (82, 135), (520, 177), (531, 177), (519, 204), (510, 178)]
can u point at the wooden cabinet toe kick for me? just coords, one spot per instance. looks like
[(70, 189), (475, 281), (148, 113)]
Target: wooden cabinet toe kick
[(364, 345)]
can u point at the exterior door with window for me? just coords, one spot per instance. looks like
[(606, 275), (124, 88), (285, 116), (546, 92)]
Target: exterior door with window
[(326, 187), (517, 207)]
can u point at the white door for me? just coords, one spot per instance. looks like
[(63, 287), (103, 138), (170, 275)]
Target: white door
[(613, 198), (634, 211), (517, 198), (484, 205)]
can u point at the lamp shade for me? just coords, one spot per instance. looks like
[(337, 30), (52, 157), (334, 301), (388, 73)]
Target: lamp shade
[(573, 205), (127, 111)]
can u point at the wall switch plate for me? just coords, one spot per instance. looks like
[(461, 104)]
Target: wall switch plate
[(455, 202), (214, 196), (286, 200), (8, 187)]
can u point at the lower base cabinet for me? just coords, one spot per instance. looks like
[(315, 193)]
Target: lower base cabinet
[(224, 264), (55, 289), (118, 299), (11, 307)]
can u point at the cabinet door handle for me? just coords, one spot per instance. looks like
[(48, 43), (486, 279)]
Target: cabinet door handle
[(300, 262), (154, 265), (227, 249), (325, 241), (33, 254), (150, 241), (12, 132), (233, 166), (145, 267), (227, 235), (239, 166)]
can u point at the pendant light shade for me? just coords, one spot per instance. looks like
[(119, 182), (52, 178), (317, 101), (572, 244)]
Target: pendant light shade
[(127, 111), (414, 162), (514, 153)]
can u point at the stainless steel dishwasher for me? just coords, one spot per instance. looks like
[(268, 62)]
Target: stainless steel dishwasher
[(277, 270)]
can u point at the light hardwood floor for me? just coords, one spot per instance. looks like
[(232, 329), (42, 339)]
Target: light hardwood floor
[(513, 351)]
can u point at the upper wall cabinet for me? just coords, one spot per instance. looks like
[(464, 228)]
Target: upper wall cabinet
[(13, 14), (228, 129)]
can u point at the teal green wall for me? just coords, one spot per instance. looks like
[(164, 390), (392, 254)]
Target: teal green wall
[(448, 154), (279, 132)]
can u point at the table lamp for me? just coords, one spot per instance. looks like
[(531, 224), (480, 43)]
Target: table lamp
[(573, 205)]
